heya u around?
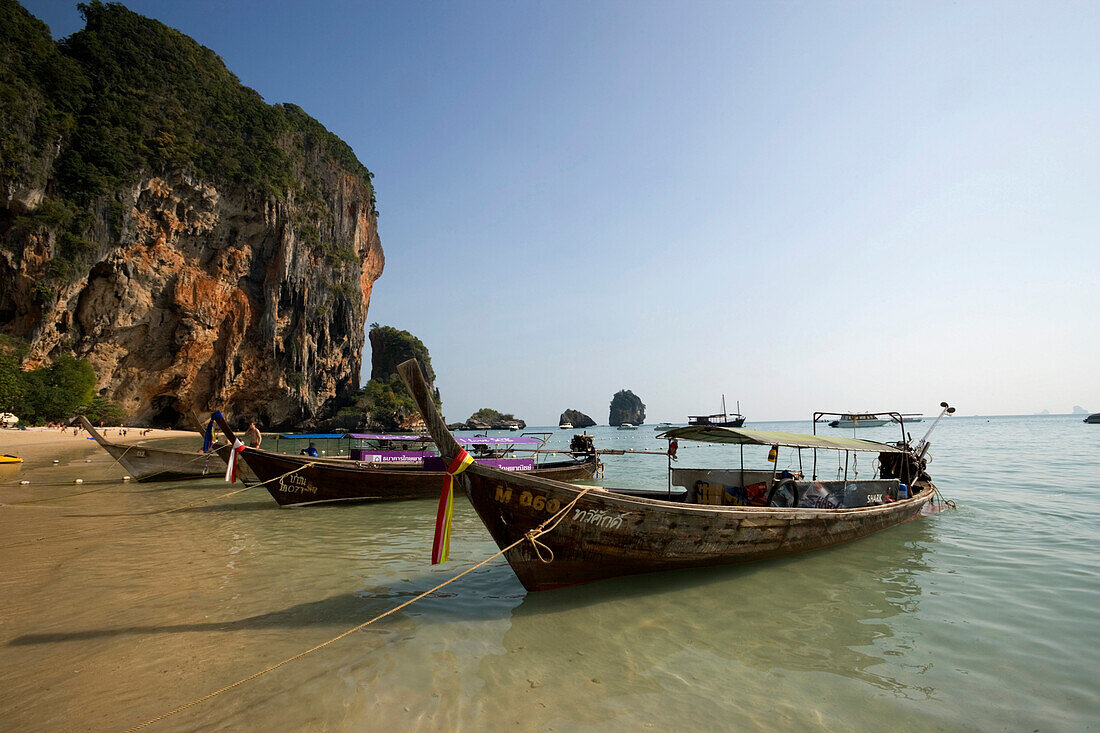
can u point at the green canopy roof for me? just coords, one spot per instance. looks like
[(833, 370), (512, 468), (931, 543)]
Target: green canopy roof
[(740, 436)]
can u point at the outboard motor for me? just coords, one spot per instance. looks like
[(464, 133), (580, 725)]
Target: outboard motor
[(907, 468), (582, 444)]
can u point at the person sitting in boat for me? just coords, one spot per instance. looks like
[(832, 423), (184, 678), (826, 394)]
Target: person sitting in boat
[(253, 436), (311, 450)]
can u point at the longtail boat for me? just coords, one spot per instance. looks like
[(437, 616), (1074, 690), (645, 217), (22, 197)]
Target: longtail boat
[(146, 463), (394, 467), (712, 518)]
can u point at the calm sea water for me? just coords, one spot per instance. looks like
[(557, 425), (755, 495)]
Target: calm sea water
[(982, 618)]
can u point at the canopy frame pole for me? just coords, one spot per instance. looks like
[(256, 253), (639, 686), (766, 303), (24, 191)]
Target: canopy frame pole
[(845, 469), (742, 473), (669, 454)]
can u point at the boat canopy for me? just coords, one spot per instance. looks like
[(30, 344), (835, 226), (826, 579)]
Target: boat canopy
[(463, 440), (385, 436), (312, 436), (740, 436)]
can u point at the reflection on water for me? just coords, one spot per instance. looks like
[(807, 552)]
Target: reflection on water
[(838, 612)]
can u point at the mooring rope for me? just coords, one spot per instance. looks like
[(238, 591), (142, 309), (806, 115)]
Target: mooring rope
[(531, 535)]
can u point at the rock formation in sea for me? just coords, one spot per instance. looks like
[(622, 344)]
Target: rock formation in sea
[(201, 248), (626, 407), (489, 419), (576, 418), (384, 403)]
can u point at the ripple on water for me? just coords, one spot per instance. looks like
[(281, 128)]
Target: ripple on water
[(975, 619)]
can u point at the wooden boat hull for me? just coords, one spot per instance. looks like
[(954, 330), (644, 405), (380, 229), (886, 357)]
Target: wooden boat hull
[(607, 534), (160, 464), (336, 480), (145, 463)]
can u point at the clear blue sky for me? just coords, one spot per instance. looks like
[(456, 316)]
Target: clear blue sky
[(801, 205)]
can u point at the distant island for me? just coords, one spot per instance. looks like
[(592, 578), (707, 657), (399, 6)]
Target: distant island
[(489, 419), (576, 418), (1078, 410)]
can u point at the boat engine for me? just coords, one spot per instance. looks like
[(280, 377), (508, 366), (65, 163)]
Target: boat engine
[(582, 444), (907, 468)]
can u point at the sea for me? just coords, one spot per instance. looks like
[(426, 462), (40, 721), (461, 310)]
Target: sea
[(121, 602)]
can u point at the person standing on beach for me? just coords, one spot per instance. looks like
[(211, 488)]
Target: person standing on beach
[(253, 436)]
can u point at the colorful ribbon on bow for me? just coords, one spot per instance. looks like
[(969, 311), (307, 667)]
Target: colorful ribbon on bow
[(441, 547), (208, 436), (234, 453)]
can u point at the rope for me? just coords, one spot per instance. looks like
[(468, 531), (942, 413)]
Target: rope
[(532, 535), (235, 491)]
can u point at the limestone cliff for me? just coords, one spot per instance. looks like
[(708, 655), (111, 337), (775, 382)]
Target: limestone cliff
[(201, 248)]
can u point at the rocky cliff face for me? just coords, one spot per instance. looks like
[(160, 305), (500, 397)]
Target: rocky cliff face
[(626, 407), (576, 418), (186, 290), (209, 301)]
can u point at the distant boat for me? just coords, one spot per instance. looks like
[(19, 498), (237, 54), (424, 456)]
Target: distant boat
[(663, 426), (909, 418), (720, 420), (565, 426), (858, 420), (1094, 418), (10, 459), (627, 426)]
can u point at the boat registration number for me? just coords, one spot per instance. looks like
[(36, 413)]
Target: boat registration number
[(297, 484), (538, 502)]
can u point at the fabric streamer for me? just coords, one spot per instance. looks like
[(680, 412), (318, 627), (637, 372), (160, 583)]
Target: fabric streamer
[(441, 547), (234, 454), (208, 436)]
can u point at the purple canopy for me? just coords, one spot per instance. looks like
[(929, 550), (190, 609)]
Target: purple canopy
[(463, 440)]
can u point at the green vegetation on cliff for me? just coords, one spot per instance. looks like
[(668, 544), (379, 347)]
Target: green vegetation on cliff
[(129, 94), (128, 97), (489, 415), (50, 393)]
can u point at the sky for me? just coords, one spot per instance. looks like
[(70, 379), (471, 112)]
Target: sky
[(800, 205)]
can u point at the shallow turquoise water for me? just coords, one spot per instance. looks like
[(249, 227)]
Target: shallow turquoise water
[(981, 618)]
